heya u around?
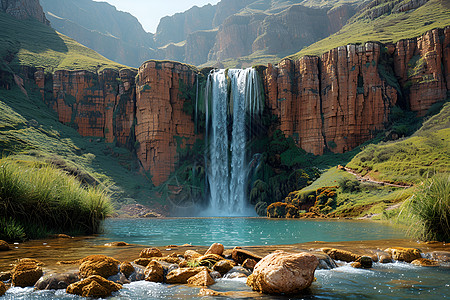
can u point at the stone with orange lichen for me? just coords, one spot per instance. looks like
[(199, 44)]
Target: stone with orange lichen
[(26, 274), (150, 252), (201, 279), (94, 286), (98, 265)]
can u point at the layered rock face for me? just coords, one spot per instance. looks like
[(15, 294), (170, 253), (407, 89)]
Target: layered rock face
[(24, 9), (161, 124), (99, 105), (340, 100)]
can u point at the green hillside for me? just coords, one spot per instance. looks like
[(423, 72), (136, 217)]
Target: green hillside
[(31, 43), (389, 27)]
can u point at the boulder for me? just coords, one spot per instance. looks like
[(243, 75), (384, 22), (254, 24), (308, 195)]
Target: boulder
[(240, 255), (237, 272), (365, 262), (126, 268), (143, 261), (94, 286), (215, 275), (26, 274), (325, 262), (182, 275), (150, 252), (138, 274), (154, 272), (249, 264), (4, 246), (56, 281), (404, 254), (283, 273), (201, 279), (423, 262), (98, 265), (119, 278), (209, 260), (5, 276), (215, 248), (341, 255), (191, 254), (223, 266), (2, 288)]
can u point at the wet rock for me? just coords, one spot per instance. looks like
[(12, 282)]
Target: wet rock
[(117, 244), (4, 246), (168, 259), (60, 236), (26, 274), (283, 273), (94, 286), (191, 254), (424, 262), (342, 255), (201, 279), (325, 262), (5, 276), (209, 260), (237, 272), (56, 281), (2, 288), (30, 261), (119, 278), (212, 293), (223, 266), (215, 248), (126, 268), (143, 261), (182, 275), (365, 262), (240, 255), (249, 264), (356, 265), (99, 265), (138, 274), (150, 252), (154, 272), (215, 275), (404, 254)]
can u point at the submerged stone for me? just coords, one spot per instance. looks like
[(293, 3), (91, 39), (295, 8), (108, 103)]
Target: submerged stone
[(4, 246), (423, 262), (341, 255), (56, 281)]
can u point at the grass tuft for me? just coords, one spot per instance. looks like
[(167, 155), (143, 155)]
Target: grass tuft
[(429, 210)]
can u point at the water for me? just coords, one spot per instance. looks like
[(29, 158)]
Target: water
[(383, 281), (227, 168), (242, 231)]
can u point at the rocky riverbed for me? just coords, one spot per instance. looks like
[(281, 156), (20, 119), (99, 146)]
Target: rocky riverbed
[(288, 269)]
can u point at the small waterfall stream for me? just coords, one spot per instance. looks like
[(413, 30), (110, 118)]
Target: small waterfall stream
[(234, 95)]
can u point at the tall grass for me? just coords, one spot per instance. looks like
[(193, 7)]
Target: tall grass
[(42, 199), (429, 210)]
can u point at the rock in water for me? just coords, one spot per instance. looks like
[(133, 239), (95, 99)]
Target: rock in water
[(150, 252), (154, 272), (240, 255), (215, 248), (404, 254), (423, 262), (26, 274), (4, 246), (94, 286), (182, 275), (201, 279), (2, 288), (283, 273), (341, 255), (99, 265), (223, 266), (56, 281)]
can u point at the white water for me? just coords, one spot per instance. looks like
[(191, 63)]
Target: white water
[(227, 167)]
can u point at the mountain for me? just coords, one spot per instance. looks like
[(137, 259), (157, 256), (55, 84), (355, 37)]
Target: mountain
[(98, 25)]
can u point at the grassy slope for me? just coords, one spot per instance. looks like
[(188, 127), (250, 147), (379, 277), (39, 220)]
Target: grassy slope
[(38, 45), (386, 28), (31, 131), (410, 160)]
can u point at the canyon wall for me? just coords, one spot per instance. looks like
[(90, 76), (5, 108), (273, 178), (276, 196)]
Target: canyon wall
[(334, 102), (24, 9), (343, 98)]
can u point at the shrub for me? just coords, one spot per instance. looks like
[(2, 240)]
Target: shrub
[(261, 209), (429, 208)]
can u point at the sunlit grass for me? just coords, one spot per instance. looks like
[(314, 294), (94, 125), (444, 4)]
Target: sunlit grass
[(43, 199)]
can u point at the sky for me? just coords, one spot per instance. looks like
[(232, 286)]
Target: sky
[(149, 12)]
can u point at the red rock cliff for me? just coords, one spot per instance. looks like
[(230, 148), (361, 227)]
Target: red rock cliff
[(340, 100), (161, 123)]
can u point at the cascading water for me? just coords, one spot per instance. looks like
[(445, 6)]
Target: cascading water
[(233, 95)]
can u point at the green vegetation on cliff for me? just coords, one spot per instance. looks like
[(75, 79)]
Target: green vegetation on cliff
[(383, 24), (31, 43)]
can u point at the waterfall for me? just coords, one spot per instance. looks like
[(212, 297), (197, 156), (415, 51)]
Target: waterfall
[(234, 95)]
